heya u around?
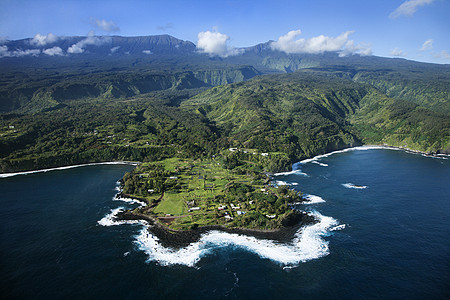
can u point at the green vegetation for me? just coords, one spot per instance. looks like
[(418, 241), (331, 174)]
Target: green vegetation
[(293, 116), (208, 129), (186, 193)]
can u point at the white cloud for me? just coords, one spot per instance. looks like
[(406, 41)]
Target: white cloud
[(42, 40), (146, 51), (408, 8), (74, 49), (350, 48), (215, 44), (166, 27), (108, 26), (397, 52), (443, 54), (319, 44), (31, 52), (91, 39), (4, 52), (55, 51), (427, 45), (114, 49)]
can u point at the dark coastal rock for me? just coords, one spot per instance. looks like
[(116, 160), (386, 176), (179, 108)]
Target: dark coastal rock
[(182, 238)]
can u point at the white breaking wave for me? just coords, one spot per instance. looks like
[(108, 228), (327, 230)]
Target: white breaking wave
[(361, 148), (354, 186), (4, 175), (280, 182), (129, 200), (313, 199), (338, 227), (297, 172), (319, 163), (111, 219), (307, 244)]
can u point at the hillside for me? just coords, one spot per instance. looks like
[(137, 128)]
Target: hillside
[(133, 104), (304, 114)]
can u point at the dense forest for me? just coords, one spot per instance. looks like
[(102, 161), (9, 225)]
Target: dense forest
[(67, 110)]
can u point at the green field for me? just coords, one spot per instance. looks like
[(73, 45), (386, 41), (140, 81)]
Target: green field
[(187, 193)]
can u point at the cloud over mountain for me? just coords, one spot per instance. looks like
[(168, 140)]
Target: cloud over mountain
[(443, 54), (107, 26), (408, 8), (215, 44), (397, 52), (427, 45), (319, 44), (55, 51), (42, 40), (4, 52), (91, 39)]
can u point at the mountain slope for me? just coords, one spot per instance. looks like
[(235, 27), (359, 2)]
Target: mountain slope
[(304, 114)]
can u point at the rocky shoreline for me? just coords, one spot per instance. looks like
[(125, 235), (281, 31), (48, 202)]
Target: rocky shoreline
[(182, 238)]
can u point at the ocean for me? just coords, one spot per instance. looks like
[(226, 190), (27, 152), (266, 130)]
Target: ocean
[(383, 232)]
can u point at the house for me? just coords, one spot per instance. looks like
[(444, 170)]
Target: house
[(222, 207), (228, 217), (240, 212), (271, 216), (264, 154), (194, 208), (233, 149), (234, 207)]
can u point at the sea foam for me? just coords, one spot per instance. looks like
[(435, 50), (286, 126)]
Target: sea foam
[(280, 182), (111, 219), (308, 244), (297, 172), (361, 148), (354, 186), (129, 200), (4, 175), (313, 199)]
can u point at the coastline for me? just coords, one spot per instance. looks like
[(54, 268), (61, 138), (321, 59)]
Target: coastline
[(135, 163), (375, 147), (182, 238), (178, 239), (5, 175)]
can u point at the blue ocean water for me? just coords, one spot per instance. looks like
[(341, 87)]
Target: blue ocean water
[(384, 233)]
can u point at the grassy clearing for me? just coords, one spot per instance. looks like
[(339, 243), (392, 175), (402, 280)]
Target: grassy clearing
[(203, 192)]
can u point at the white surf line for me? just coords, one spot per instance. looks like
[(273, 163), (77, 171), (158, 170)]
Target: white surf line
[(360, 148), (369, 147), (354, 186), (297, 171), (313, 199), (319, 163), (110, 219), (129, 200), (5, 175), (308, 244), (280, 182)]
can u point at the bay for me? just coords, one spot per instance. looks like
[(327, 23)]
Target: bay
[(390, 239)]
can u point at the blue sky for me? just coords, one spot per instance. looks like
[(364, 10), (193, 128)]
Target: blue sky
[(413, 29)]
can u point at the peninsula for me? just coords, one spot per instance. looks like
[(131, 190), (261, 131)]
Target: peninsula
[(230, 190)]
